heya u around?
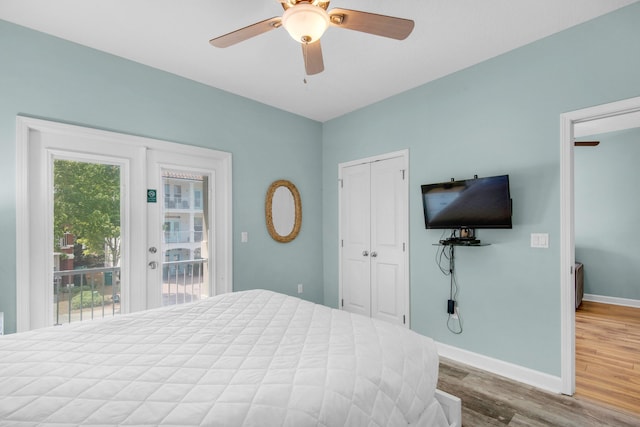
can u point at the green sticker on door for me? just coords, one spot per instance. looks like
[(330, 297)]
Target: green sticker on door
[(151, 196)]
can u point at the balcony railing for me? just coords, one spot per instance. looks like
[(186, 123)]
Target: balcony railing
[(182, 203), (95, 292), (86, 294), (183, 281), (182, 236)]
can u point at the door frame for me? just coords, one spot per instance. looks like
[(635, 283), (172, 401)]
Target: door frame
[(157, 160), (26, 126), (568, 122), (341, 166)]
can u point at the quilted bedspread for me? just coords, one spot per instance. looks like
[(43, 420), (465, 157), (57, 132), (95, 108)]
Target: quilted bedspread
[(253, 358)]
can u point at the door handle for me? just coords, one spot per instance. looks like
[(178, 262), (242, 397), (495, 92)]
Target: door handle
[(374, 254), (153, 265), (365, 253), (153, 250)]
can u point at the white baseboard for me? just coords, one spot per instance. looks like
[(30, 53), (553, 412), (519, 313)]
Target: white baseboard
[(612, 300), (509, 370)]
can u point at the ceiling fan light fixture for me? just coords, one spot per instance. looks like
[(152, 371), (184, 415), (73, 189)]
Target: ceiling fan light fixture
[(305, 23)]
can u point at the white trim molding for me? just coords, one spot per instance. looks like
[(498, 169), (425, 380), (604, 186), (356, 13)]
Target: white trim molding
[(604, 117), (23, 294), (508, 370), (626, 302)]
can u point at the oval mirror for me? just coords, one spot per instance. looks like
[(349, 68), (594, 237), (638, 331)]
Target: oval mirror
[(283, 211)]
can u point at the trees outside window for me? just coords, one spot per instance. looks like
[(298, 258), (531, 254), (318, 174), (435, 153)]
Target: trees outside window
[(87, 205)]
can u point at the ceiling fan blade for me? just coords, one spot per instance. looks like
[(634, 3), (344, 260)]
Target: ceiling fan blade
[(380, 25), (245, 33), (312, 54)]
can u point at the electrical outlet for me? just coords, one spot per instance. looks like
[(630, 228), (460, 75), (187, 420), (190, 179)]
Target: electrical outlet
[(300, 288)]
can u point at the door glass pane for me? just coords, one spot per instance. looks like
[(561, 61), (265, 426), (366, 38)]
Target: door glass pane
[(86, 249), (185, 266)]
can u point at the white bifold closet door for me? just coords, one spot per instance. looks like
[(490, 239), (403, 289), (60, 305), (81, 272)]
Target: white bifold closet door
[(373, 239)]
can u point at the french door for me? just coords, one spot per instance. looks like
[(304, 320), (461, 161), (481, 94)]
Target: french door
[(180, 228), (110, 223)]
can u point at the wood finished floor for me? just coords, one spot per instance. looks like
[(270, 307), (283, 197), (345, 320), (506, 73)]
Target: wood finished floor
[(607, 380), (608, 354), (492, 400)]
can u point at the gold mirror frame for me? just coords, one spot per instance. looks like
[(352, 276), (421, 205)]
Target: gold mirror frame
[(268, 210)]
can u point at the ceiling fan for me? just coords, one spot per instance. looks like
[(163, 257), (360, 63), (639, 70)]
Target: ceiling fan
[(307, 20)]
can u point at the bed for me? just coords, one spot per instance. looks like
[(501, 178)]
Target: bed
[(253, 358)]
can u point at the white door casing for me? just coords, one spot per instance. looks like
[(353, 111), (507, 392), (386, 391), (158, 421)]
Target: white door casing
[(373, 249), (38, 142), (611, 114)]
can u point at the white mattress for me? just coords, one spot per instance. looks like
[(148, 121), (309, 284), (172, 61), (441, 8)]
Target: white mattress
[(253, 358)]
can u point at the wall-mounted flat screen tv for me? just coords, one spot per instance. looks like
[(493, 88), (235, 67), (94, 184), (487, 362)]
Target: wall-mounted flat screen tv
[(471, 203)]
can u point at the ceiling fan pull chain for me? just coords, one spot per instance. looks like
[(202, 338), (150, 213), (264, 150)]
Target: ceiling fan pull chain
[(305, 46)]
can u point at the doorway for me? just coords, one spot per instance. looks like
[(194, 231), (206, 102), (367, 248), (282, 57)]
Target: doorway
[(135, 251), (607, 117), (373, 229), (181, 228)]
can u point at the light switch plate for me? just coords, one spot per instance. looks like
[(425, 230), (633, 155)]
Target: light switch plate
[(540, 240)]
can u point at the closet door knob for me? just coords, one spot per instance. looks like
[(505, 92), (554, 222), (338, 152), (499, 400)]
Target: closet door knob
[(365, 253), (374, 254)]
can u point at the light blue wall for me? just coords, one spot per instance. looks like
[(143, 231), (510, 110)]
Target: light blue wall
[(501, 116), (607, 213), (45, 77)]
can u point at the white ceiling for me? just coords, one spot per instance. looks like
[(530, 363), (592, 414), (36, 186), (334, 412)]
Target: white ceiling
[(360, 69)]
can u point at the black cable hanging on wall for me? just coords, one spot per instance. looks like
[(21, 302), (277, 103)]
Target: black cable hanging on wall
[(454, 319)]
